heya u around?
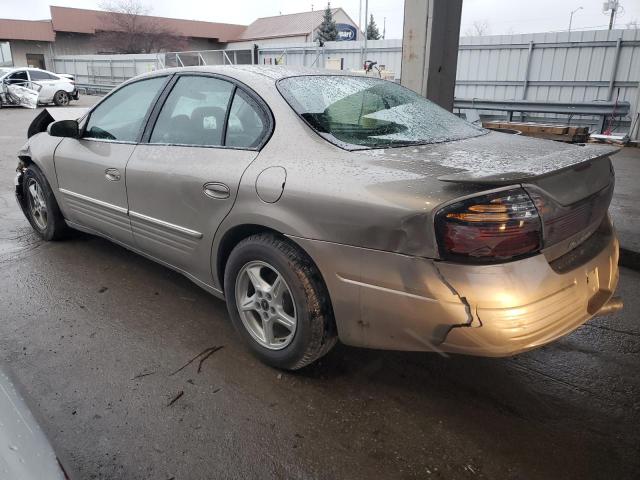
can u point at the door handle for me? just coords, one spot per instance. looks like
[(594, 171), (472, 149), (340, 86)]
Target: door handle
[(216, 190), (112, 174)]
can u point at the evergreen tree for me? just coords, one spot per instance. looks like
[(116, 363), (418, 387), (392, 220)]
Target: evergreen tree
[(327, 32), (372, 30)]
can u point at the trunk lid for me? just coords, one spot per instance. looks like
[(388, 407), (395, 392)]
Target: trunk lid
[(501, 159), (571, 185)]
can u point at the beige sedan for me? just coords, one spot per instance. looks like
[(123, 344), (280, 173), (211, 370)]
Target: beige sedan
[(325, 206)]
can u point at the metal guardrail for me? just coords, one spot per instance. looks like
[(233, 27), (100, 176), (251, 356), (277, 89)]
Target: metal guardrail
[(568, 108), (94, 88), (599, 109)]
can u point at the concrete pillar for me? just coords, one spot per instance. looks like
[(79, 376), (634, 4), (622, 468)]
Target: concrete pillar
[(430, 48)]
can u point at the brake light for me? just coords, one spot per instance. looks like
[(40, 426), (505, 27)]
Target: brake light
[(495, 227)]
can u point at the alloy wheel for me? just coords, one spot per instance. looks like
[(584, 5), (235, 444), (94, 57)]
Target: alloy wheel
[(266, 305), (37, 204), (62, 98)]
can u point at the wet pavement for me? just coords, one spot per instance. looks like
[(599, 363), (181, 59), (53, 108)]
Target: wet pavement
[(625, 206), (94, 335)]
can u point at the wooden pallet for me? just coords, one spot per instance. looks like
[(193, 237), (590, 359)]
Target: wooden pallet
[(549, 131)]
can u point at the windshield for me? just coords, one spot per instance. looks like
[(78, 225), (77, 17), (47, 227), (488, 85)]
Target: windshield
[(362, 112)]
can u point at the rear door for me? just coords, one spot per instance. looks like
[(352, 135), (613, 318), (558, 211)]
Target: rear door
[(48, 83), (91, 169), (183, 181)]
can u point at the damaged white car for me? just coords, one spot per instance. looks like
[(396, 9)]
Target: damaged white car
[(29, 87)]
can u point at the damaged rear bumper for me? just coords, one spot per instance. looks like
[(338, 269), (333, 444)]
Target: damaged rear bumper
[(391, 301), (526, 304)]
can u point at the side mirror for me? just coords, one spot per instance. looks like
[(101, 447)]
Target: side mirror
[(64, 128)]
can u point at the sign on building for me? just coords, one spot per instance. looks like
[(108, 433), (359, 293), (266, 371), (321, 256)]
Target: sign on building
[(346, 32)]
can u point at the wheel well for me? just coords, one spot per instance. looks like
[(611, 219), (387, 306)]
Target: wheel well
[(24, 162), (231, 239), (238, 233)]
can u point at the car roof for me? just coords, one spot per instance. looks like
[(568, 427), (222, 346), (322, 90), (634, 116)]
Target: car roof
[(264, 73), (15, 69), (37, 69)]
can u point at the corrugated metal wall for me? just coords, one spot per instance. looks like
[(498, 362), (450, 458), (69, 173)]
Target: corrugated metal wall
[(552, 67), (114, 69), (545, 67), (385, 52), (105, 69)]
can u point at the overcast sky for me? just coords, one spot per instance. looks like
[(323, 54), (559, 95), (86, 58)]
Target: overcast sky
[(502, 16)]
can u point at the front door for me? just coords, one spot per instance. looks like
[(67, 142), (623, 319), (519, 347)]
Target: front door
[(91, 170), (18, 77), (183, 182)]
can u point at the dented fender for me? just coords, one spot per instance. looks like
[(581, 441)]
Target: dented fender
[(388, 300)]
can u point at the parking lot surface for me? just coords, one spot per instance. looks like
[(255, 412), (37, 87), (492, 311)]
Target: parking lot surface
[(96, 337)]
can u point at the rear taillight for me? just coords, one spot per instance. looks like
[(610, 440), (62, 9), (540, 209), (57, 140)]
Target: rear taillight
[(495, 227)]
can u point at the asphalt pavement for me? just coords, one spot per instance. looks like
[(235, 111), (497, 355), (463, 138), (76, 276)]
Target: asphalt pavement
[(625, 206), (96, 337)]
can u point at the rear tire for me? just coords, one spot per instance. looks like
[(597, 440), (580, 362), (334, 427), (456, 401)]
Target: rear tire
[(61, 98), (40, 205), (304, 302)]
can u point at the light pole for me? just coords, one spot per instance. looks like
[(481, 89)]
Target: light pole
[(613, 5), (366, 27), (571, 17)]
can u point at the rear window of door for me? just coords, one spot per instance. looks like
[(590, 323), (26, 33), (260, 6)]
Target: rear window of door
[(247, 122), (197, 108), (194, 112), (121, 115), (39, 75)]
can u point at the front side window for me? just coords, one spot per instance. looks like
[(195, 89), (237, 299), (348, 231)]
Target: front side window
[(121, 115), (18, 77), (362, 112), (194, 113)]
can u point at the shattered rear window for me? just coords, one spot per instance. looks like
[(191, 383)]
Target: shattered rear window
[(363, 112)]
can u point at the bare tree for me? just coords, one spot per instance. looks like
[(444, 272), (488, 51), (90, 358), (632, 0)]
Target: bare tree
[(127, 28), (478, 29)]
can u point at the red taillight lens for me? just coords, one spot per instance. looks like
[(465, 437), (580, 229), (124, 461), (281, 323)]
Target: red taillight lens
[(495, 227)]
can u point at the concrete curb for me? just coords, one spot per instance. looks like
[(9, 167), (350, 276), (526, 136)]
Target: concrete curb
[(629, 259)]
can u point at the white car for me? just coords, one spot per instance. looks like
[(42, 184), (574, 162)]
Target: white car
[(55, 88)]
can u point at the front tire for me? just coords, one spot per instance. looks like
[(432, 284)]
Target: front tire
[(40, 205), (278, 302), (61, 98)]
